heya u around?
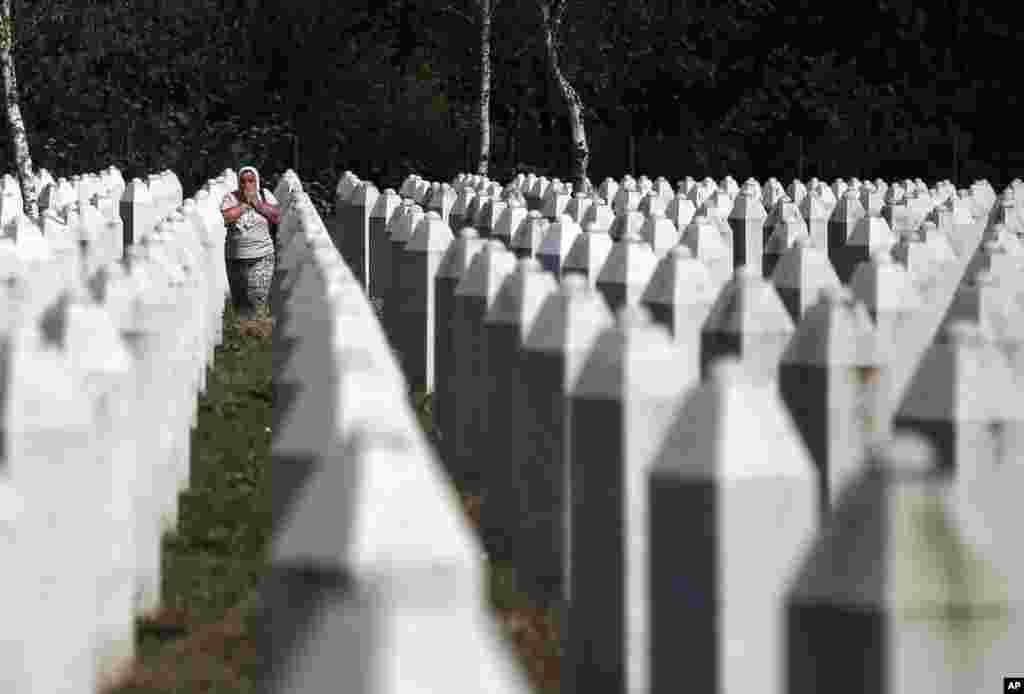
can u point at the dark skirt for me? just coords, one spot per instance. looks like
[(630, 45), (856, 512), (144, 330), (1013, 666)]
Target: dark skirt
[(249, 279)]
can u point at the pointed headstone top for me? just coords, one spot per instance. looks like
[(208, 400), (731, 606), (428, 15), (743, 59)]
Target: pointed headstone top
[(365, 195), (834, 332), (748, 303), (486, 271), (803, 266), (430, 235), (569, 321), (885, 285), (813, 206), (404, 223), (748, 205), (894, 194), (679, 278), (521, 295), (871, 231), (459, 254), (714, 432), (632, 357), (386, 203)]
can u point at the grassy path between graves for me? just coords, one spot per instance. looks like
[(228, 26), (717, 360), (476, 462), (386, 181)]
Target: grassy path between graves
[(202, 641)]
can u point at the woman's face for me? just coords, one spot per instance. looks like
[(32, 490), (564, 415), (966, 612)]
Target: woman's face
[(247, 181)]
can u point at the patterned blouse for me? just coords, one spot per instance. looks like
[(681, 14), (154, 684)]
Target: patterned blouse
[(249, 237)]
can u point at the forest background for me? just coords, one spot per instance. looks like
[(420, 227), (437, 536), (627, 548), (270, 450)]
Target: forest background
[(386, 87)]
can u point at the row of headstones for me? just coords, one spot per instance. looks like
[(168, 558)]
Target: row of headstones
[(97, 210), (104, 360), (834, 219), (376, 582), (629, 269), (93, 220), (373, 231), (534, 377), (57, 195)]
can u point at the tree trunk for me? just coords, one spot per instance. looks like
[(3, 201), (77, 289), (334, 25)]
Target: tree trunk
[(485, 86), (581, 151), (15, 123)]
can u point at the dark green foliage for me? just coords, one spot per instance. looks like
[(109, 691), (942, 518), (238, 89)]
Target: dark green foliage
[(383, 88)]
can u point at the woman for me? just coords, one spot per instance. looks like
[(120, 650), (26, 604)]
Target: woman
[(249, 213)]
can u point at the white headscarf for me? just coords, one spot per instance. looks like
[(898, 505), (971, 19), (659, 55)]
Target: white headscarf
[(259, 190)]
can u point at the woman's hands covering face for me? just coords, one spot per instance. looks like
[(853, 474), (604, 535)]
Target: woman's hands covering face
[(249, 193)]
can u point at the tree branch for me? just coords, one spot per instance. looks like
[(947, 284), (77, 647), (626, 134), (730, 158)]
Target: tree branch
[(552, 11), (556, 16), (451, 9)]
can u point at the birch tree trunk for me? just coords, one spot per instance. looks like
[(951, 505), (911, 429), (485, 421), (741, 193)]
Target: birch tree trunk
[(552, 13), (485, 86), (15, 123)]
